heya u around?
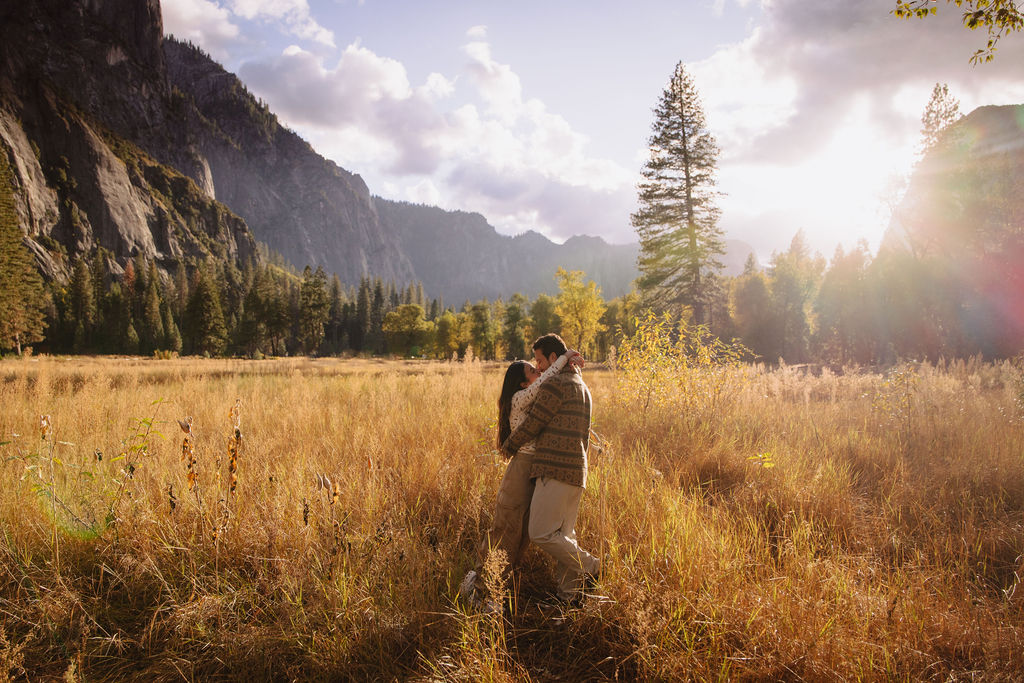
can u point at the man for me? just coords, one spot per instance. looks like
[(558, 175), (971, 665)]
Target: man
[(560, 422)]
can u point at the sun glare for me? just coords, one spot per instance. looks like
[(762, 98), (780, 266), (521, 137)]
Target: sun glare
[(849, 183)]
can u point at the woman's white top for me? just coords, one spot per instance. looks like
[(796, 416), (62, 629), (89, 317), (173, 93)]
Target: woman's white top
[(523, 399)]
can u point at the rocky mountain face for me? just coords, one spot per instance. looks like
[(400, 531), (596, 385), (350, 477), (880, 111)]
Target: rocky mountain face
[(87, 121), (302, 205), (124, 140), (460, 256)]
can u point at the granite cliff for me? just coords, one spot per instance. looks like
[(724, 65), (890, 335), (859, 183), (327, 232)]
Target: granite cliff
[(88, 121)]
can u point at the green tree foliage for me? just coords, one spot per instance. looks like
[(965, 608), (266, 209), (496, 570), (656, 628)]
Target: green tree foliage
[(793, 277), (172, 335), (407, 329), (752, 310), (514, 327), (206, 332), (336, 314), (997, 17), (580, 308), (277, 315), (153, 335), (22, 295), (483, 328), (314, 308), (180, 290), (677, 221), (360, 323), (83, 315), (543, 317), (918, 303), (846, 327), (379, 305), (448, 337)]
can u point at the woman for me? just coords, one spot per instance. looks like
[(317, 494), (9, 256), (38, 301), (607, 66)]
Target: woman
[(512, 511)]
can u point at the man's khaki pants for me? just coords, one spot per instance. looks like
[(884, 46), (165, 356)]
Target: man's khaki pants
[(552, 525)]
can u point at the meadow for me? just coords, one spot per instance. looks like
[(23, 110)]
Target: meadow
[(755, 523)]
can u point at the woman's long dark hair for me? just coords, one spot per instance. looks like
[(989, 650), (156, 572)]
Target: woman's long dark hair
[(514, 378)]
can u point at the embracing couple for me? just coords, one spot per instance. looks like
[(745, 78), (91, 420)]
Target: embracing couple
[(544, 432)]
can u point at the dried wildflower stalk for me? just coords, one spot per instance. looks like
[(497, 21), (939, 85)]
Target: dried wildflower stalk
[(234, 445), (188, 455)]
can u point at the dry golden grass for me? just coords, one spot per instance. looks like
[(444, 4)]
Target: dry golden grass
[(754, 525)]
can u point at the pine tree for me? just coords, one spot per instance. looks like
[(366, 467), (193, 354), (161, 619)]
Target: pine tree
[(251, 335), (128, 337), (142, 270), (83, 306), (180, 290), (483, 329), (276, 316), (360, 327), (314, 308), (22, 295), (677, 221), (392, 299), (514, 327), (99, 269), (172, 336), (335, 316), (130, 343), (794, 276), (375, 335), (752, 310), (204, 318), (942, 111), (152, 334)]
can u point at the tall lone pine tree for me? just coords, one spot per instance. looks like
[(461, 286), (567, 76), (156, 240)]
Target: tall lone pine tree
[(677, 221)]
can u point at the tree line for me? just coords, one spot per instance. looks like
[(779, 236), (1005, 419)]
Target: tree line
[(268, 309), (855, 309)]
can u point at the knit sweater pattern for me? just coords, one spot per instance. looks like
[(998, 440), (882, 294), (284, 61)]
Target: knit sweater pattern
[(559, 421)]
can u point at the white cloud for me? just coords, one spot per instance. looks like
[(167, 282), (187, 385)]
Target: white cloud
[(201, 22), (424, 192), (437, 87), (469, 143), (496, 83), (293, 15), (477, 33)]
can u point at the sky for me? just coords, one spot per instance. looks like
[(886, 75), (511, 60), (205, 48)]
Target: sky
[(537, 114)]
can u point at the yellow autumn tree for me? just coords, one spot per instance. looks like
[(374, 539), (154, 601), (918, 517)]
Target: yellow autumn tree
[(580, 308)]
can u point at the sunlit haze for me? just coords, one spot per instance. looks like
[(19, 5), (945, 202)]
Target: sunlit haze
[(537, 114)]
